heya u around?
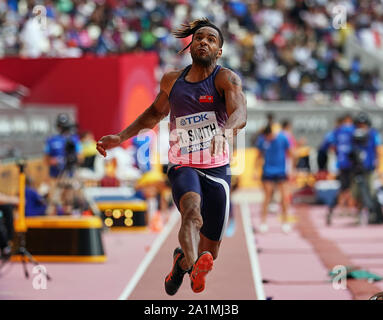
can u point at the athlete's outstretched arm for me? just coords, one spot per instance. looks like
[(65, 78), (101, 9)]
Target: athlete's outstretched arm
[(230, 84), (158, 110)]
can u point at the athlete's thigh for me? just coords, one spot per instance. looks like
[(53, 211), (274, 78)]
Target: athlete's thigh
[(183, 180)]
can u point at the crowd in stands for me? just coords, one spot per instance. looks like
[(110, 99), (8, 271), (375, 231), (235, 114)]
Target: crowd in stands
[(283, 49)]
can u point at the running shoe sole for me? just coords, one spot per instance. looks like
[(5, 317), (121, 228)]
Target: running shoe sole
[(201, 268)]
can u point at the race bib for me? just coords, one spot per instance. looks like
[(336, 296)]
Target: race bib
[(195, 131)]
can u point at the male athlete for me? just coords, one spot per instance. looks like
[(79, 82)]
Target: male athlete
[(207, 108)]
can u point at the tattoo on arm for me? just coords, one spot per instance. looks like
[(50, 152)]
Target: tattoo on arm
[(234, 80)]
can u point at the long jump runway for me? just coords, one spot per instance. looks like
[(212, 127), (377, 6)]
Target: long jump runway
[(230, 279)]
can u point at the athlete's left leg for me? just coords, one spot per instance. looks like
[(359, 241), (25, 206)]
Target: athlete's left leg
[(215, 186), (215, 209)]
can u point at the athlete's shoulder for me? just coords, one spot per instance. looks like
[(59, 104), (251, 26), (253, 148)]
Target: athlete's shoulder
[(223, 71), (168, 80), (171, 75), (226, 76)]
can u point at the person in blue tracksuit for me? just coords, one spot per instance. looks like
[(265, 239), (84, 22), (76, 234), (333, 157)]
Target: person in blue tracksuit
[(340, 140), (364, 159)]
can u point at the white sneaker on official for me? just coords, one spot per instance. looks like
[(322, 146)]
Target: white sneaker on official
[(263, 228), (286, 228)]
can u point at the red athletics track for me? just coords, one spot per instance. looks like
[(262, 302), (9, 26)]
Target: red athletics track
[(230, 278), (85, 281), (293, 266)]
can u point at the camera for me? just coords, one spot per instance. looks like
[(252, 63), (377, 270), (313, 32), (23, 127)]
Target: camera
[(70, 153), (360, 137), (358, 154), (67, 128), (359, 142)]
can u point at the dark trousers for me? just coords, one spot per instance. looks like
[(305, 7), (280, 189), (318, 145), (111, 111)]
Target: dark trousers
[(6, 224)]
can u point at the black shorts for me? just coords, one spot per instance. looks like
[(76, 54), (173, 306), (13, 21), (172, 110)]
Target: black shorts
[(274, 178), (213, 185), (345, 179)]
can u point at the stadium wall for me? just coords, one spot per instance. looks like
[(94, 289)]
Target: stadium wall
[(108, 92)]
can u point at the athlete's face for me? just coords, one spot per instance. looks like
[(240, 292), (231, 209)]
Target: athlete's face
[(205, 48)]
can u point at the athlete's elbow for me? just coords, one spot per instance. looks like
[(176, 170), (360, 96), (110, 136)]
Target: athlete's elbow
[(238, 128), (158, 115)]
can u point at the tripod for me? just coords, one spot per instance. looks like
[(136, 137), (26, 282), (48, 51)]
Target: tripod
[(22, 227), (368, 201)]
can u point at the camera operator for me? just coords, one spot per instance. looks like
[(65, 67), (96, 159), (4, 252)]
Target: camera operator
[(340, 140), (62, 153), (62, 149), (364, 162)]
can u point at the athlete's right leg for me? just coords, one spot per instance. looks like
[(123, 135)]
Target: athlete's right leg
[(188, 236), (187, 192)]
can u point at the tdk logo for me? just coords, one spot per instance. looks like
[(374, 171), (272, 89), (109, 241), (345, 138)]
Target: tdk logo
[(194, 119)]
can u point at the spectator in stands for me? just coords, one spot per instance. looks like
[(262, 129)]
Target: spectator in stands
[(290, 48), (88, 150), (110, 179), (68, 199)]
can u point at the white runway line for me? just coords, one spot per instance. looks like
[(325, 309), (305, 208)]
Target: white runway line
[(150, 255), (252, 249)]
